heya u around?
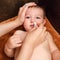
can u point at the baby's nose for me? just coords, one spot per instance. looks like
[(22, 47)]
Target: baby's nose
[(32, 20)]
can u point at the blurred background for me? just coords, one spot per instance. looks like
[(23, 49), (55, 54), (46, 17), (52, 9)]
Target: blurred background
[(9, 9)]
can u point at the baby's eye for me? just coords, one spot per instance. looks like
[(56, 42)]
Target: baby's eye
[(27, 17), (38, 18)]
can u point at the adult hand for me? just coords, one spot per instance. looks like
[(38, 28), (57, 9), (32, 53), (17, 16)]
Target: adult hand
[(36, 36), (22, 11)]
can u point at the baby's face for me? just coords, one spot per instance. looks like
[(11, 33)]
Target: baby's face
[(33, 18)]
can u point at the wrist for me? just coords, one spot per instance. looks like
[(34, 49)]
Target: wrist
[(8, 47), (18, 22), (8, 51)]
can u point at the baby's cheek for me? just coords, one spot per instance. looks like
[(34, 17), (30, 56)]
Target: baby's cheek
[(38, 23)]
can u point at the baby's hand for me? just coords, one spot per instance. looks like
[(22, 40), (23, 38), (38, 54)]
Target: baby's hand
[(22, 12), (14, 41)]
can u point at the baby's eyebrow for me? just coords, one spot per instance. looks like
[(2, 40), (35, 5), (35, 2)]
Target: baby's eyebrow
[(38, 16)]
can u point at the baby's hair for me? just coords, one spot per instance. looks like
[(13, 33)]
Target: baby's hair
[(41, 7)]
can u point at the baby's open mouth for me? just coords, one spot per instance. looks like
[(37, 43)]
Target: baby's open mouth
[(33, 25)]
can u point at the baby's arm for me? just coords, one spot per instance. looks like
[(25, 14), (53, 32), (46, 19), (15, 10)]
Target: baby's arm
[(53, 46), (8, 51), (13, 42), (56, 55), (54, 49)]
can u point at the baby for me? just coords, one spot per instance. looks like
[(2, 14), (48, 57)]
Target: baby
[(34, 16)]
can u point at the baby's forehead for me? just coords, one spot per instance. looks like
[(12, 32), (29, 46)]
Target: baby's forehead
[(38, 9), (35, 8)]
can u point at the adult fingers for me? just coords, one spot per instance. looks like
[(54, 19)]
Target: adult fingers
[(25, 7)]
